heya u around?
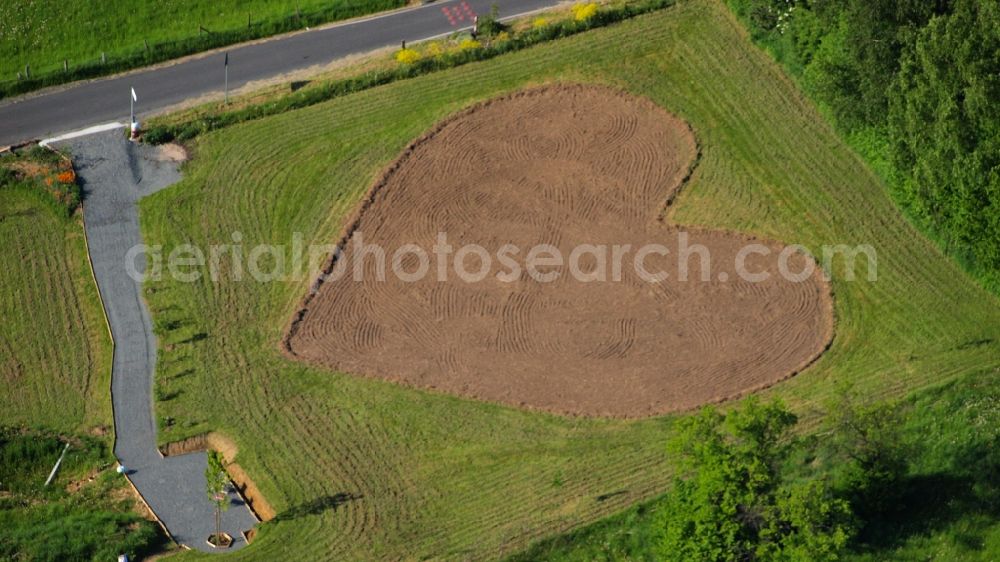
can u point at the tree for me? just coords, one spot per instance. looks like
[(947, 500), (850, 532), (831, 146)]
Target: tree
[(490, 25), (860, 57), (869, 446), (729, 500), (217, 483), (943, 123)]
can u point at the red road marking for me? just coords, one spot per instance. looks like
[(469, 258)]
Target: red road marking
[(449, 15), (458, 13)]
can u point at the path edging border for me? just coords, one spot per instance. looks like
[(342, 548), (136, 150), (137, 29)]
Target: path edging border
[(258, 506), (111, 336)]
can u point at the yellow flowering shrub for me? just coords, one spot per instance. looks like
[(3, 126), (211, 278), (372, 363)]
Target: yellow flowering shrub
[(539, 22), (583, 12), (434, 49), (469, 44), (407, 56)]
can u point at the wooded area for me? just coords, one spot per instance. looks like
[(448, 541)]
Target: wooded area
[(914, 86)]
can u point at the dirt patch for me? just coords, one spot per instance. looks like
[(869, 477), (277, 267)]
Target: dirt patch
[(564, 166), (203, 442), (31, 169), (248, 489), (185, 446), (170, 152), (99, 430), (75, 486)]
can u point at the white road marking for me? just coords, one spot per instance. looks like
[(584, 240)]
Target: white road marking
[(84, 132)]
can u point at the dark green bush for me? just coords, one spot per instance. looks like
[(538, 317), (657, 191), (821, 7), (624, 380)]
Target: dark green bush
[(7, 176), (158, 135), (490, 24)]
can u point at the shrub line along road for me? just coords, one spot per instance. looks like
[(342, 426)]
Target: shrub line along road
[(87, 103)]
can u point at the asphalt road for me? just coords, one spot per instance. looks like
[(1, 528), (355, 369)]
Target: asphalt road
[(115, 174), (89, 103)]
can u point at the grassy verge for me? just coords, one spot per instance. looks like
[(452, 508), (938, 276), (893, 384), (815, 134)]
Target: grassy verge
[(101, 38), (435, 476), (87, 513), (55, 353)]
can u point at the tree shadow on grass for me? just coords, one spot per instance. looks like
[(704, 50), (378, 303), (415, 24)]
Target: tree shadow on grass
[(924, 503), (194, 338), (317, 506), (168, 395), (928, 503), (609, 495)]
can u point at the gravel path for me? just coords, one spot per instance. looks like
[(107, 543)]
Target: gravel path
[(115, 174)]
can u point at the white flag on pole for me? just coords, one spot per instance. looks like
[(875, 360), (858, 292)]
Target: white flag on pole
[(134, 98)]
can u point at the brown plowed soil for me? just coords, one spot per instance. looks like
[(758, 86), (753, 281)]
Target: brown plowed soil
[(562, 165)]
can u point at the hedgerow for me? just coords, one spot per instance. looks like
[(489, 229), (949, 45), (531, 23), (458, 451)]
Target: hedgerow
[(913, 86)]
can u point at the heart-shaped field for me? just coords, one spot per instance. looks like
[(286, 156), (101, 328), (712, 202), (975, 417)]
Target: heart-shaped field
[(567, 168)]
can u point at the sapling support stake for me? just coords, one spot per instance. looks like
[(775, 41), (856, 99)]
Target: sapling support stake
[(55, 469)]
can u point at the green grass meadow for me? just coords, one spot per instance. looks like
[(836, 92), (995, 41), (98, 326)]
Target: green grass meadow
[(55, 351), (434, 476), (55, 384), (84, 514)]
